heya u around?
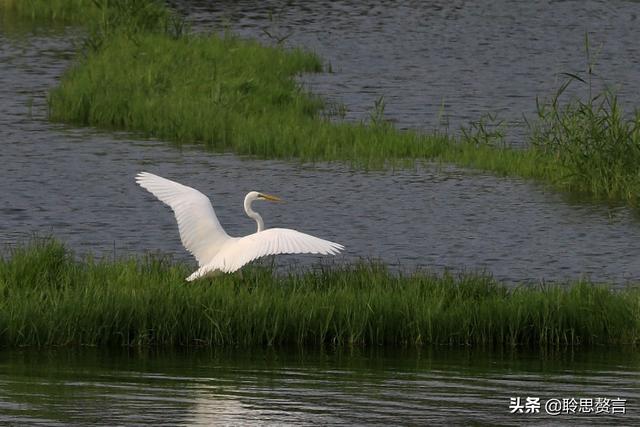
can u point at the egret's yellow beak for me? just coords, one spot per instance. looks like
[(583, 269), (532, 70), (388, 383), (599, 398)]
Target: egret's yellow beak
[(270, 197)]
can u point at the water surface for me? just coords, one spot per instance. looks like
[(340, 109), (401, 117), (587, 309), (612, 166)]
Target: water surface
[(436, 386), (444, 64)]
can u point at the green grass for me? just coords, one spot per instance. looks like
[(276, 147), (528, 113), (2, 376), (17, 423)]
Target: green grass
[(91, 13), (50, 10), (50, 299), (594, 141), (237, 95), (142, 71)]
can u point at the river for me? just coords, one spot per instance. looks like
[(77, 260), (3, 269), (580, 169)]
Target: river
[(435, 387)]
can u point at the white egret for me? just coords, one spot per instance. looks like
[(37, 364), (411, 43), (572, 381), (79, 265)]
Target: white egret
[(203, 236)]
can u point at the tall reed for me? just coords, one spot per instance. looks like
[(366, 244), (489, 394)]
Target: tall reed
[(593, 140)]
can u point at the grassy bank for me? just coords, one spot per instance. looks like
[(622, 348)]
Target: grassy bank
[(141, 71), (48, 299), (238, 95), (70, 11), (90, 13)]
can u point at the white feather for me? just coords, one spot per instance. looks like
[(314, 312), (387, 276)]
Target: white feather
[(203, 236), (200, 230), (240, 251)]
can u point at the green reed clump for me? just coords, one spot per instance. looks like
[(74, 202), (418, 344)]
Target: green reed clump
[(48, 298), (597, 144), (591, 138)]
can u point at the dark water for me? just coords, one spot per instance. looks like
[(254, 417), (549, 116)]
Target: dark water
[(77, 184), (435, 387), (439, 62)]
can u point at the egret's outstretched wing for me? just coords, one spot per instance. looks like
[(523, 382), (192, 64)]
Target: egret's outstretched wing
[(200, 230), (272, 241)]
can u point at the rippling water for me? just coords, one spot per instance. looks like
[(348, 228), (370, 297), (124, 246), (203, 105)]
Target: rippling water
[(445, 61), (434, 387), (77, 184)]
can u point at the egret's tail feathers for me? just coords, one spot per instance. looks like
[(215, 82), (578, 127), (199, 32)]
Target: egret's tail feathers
[(202, 272)]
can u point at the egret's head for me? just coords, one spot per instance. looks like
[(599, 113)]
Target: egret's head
[(254, 195)]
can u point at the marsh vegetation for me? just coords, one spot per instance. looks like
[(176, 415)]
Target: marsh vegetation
[(142, 70), (49, 298)]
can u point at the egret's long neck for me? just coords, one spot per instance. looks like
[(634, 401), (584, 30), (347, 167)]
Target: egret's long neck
[(253, 214)]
